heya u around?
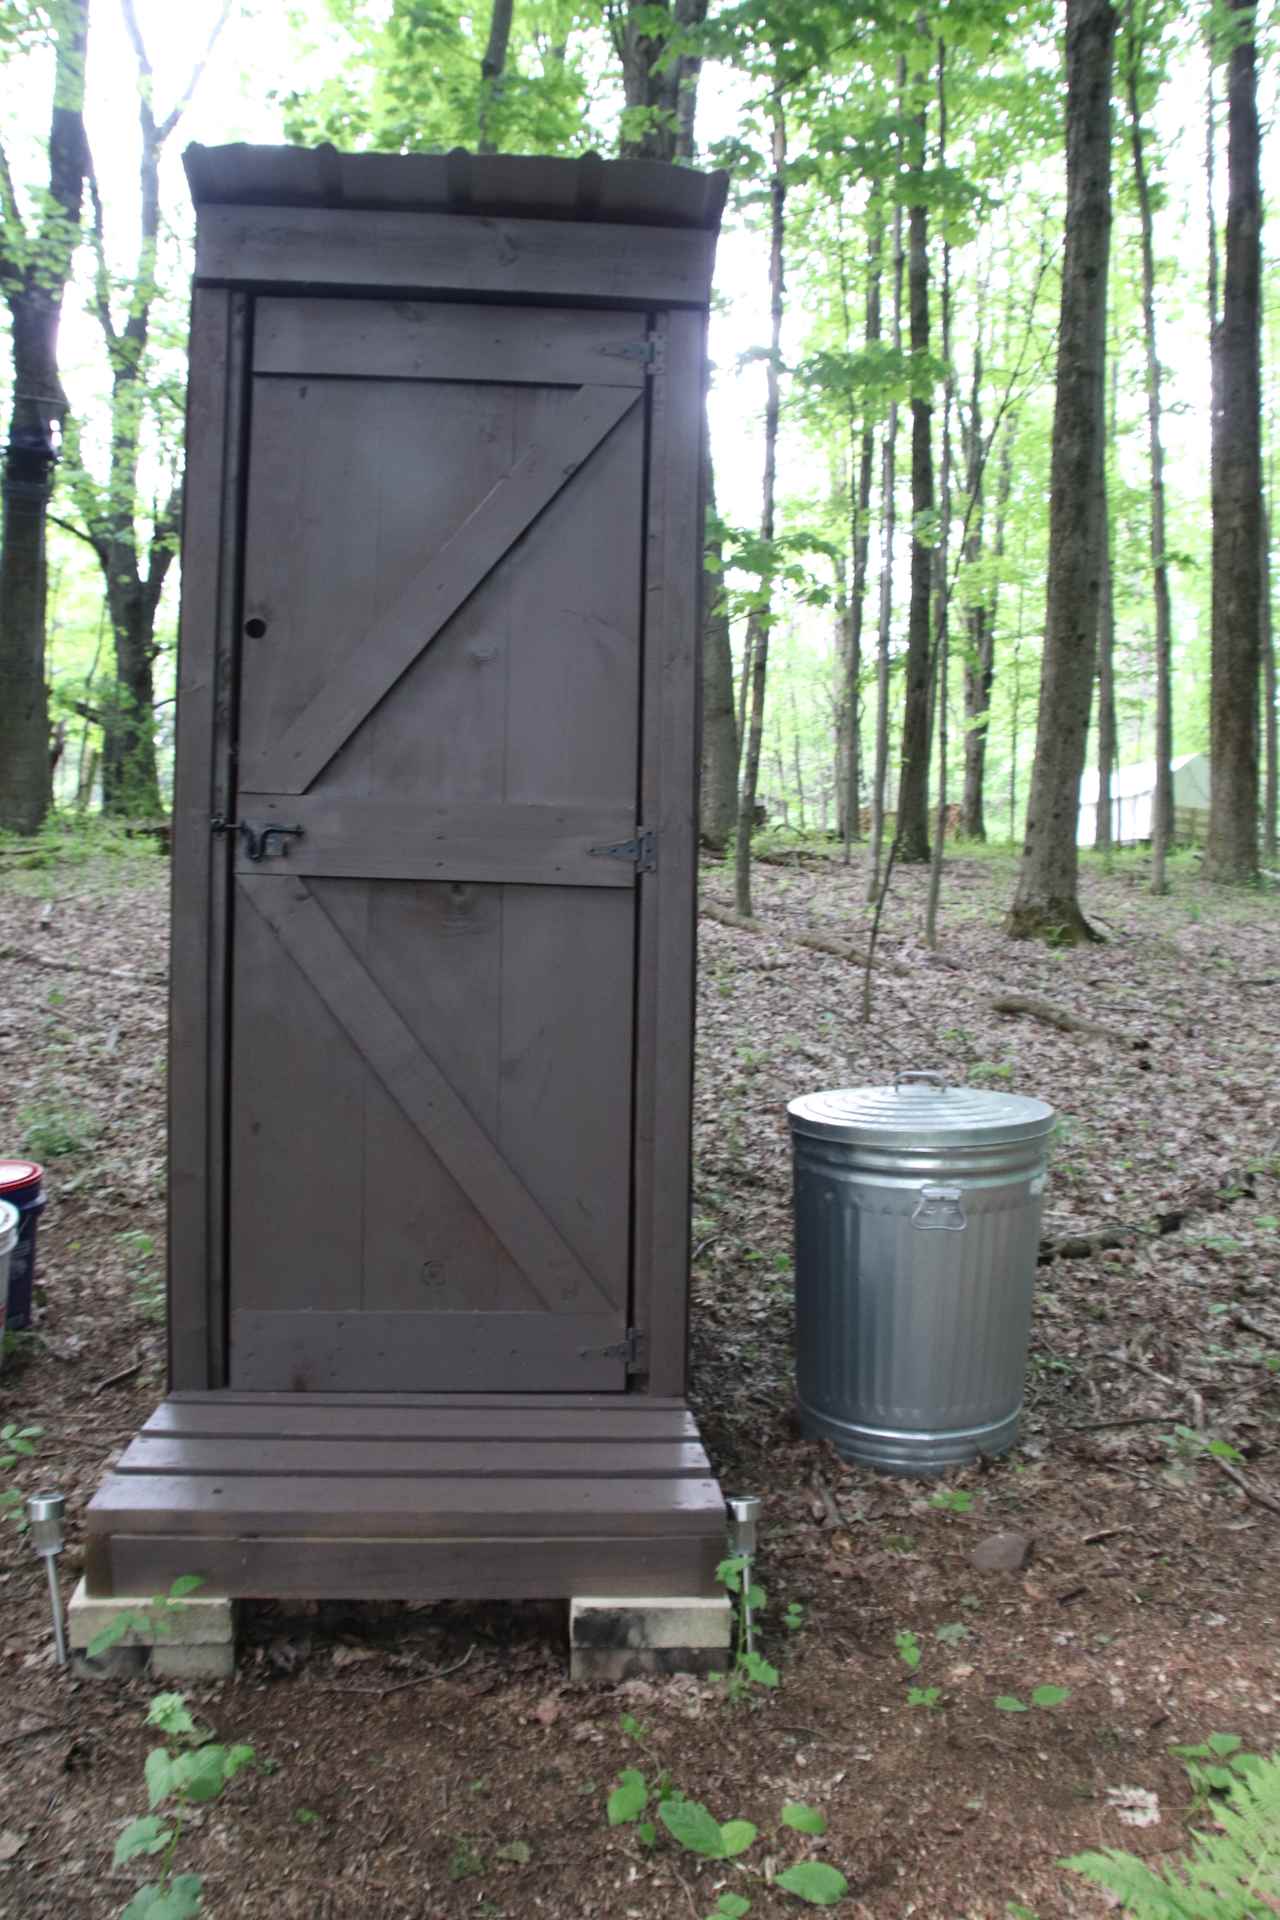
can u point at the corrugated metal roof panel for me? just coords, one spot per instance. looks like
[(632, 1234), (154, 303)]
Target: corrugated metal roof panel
[(498, 185)]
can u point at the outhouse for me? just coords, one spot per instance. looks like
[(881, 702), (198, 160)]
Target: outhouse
[(433, 890)]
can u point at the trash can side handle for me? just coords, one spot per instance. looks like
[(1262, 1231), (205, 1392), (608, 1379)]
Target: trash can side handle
[(940, 1209)]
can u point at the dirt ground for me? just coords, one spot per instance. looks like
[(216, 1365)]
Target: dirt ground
[(433, 1762)]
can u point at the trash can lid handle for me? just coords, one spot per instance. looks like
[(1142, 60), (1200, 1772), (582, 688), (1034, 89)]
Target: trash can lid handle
[(928, 1076)]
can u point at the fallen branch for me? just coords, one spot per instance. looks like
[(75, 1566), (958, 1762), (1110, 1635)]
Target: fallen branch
[(1250, 1492), (26, 958), (114, 1379), (1118, 1233), (816, 942), (1051, 1016), (1130, 1420), (418, 1680)]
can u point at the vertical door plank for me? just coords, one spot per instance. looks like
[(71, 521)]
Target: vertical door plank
[(377, 657), (415, 1082), (567, 995), (297, 1136), (435, 951)]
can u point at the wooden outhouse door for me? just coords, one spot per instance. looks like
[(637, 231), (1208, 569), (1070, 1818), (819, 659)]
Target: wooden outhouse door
[(433, 956)]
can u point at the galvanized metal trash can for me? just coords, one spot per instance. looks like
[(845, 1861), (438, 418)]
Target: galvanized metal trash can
[(917, 1217)]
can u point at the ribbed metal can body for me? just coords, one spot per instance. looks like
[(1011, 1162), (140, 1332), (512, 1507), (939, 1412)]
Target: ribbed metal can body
[(915, 1266)]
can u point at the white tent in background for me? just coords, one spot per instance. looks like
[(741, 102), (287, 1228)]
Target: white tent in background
[(1133, 793)]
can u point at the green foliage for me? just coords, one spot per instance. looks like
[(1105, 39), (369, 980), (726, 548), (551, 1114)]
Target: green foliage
[(1042, 1696), (803, 1818), (1214, 1765), (157, 1617), (749, 1668), (1232, 1873), (193, 1776), (695, 1829), (908, 1648), (411, 81), (145, 1277), (952, 1500), (923, 1696), (55, 1130), (814, 1882), (1193, 1442)]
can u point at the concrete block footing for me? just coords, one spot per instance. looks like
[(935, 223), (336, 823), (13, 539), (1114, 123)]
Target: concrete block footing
[(191, 1639), (621, 1638)]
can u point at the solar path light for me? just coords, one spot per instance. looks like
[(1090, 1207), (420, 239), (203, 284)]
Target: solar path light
[(744, 1512), (44, 1514)]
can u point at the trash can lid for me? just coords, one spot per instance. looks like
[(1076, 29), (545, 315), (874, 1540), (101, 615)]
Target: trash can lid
[(19, 1173), (920, 1109)]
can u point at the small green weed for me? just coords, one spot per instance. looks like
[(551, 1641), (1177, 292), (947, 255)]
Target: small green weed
[(749, 1668), (155, 1618), (952, 1500), (16, 1444), (1043, 1696), (465, 1862), (176, 1782), (145, 1280), (653, 1804), (53, 1131), (1190, 1443)]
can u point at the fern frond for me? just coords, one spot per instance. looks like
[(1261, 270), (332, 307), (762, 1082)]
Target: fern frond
[(1232, 1873)]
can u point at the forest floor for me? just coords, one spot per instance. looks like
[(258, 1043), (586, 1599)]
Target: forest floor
[(399, 1782)]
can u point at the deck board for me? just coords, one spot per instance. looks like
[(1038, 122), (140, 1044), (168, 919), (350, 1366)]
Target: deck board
[(410, 1496)]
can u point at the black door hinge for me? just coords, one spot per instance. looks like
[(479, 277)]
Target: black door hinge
[(643, 850), (633, 1351), (650, 350)]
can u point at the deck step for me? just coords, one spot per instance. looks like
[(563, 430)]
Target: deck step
[(410, 1496)]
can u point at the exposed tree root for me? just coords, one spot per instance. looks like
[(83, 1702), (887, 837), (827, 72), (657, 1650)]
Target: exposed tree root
[(1059, 922), (1015, 1003)]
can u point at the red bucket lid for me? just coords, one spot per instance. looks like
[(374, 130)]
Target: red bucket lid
[(19, 1173)]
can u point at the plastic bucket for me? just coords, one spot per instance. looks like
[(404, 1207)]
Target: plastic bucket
[(10, 1224), (22, 1187)]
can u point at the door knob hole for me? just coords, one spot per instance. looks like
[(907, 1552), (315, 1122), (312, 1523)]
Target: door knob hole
[(255, 628)]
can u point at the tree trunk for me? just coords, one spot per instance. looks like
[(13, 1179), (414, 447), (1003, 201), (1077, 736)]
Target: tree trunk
[(130, 784), (34, 270), (660, 68), (940, 673), (913, 778), (888, 525), (1106, 688), (492, 68), (1162, 808), (1270, 795), (758, 624), (979, 665), (719, 724), (861, 542), (1231, 853), (1046, 903)]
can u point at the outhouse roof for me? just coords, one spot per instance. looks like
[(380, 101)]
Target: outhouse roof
[(500, 185)]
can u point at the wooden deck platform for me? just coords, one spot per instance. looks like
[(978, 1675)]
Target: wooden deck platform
[(409, 1497)]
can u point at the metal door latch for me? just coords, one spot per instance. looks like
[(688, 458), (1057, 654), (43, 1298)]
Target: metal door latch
[(257, 840)]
